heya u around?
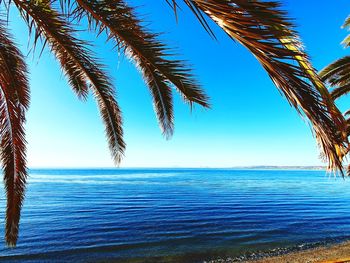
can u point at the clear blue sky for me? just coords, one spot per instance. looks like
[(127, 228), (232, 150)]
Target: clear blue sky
[(249, 123)]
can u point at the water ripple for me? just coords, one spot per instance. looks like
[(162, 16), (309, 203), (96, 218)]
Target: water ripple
[(88, 215)]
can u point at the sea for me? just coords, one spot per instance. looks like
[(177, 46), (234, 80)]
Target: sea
[(176, 215)]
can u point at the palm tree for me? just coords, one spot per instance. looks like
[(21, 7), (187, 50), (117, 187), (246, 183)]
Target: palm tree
[(337, 75), (258, 25)]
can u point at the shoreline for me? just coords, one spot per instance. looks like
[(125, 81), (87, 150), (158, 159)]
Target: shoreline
[(335, 251), (328, 253)]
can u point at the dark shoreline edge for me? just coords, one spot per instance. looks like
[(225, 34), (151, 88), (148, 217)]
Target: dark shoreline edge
[(265, 254)]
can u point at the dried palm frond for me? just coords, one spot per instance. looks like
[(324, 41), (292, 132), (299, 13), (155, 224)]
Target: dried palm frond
[(14, 101), (268, 34), (150, 55), (337, 74), (77, 59), (69, 63), (346, 41)]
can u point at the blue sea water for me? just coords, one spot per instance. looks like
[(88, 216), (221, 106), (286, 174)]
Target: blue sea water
[(175, 215)]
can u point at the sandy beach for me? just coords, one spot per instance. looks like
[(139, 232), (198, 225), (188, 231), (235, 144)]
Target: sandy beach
[(327, 254)]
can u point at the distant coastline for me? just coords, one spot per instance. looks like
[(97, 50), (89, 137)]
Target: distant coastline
[(274, 167)]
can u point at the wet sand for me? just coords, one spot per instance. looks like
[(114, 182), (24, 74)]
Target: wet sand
[(327, 254)]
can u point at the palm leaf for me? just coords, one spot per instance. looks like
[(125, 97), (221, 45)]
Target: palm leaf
[(70, 64), (14, 101), (337, 74), (346, 41), (149, 54), (347, 113), (340, 91), (79, 64), (268, 34)]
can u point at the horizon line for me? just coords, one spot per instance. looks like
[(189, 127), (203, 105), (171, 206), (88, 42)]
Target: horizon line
[(185, 167)]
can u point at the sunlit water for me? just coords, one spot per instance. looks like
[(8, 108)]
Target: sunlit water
[(175, 215)]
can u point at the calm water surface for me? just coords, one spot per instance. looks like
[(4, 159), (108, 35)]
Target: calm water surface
[(175, 215)]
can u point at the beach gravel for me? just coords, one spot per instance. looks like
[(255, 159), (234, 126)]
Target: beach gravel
[(339, 253)]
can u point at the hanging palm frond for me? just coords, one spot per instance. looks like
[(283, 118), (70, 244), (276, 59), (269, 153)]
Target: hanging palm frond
[(150, 55), (14, 101), (346, 41), (268, 34), (79, 64), (337, 74)]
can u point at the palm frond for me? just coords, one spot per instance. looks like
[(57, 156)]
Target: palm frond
[(337, 74), (347, 113), (79, 62), (340, 91), (14, 101), (268, 34), (150, 55), (346, 41), (336, 70), (69, 64)]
